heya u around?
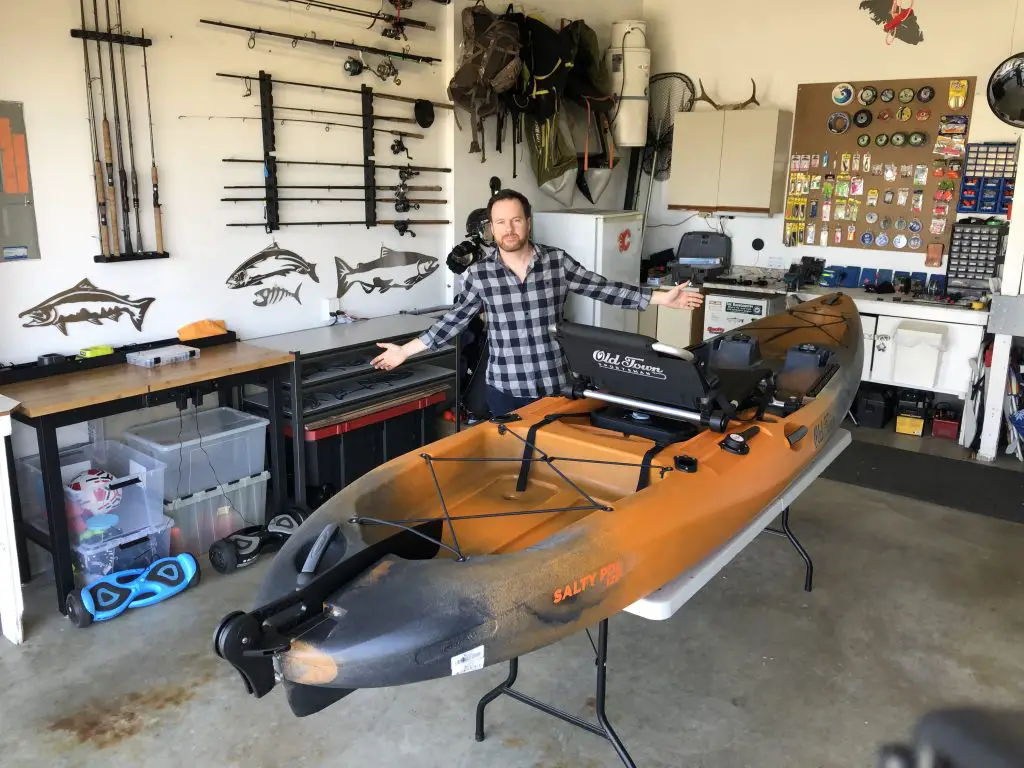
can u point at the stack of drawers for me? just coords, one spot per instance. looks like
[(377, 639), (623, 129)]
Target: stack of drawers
[(975, 252)]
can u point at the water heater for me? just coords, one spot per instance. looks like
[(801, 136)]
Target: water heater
[(628, 60)]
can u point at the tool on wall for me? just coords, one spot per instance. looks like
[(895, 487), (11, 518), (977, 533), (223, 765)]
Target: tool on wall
[(385, 70), (423, 108), (157, 213), (396, 24), (327, 124), (271, 197), (101, 201), (124, 194), (122, 176), (131, 144), (405, 55)]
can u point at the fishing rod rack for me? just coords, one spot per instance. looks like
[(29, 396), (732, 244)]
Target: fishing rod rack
[(117, 185), (271, 188)]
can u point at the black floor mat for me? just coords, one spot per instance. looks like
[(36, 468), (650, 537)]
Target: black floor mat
[(953, 483)]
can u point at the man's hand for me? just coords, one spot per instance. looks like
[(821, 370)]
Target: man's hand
[(678, 297), (392, 357)]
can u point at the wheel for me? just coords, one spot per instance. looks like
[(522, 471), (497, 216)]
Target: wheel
[(218, 632), (301, 512), (77, 612), (223, 556)]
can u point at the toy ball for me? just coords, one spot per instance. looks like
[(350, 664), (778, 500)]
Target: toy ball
[(91, 492)]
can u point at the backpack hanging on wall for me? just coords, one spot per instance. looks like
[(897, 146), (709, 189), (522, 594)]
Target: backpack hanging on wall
[(490, 67)]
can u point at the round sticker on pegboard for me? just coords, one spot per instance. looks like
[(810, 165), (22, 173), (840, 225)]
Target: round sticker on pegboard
[(625, 238)]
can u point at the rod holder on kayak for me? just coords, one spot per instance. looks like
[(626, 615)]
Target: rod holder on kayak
[(718, 422)]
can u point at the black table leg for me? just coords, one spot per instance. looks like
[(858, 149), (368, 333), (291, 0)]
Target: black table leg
[(603, 729), (278, 471), (298, 434), (53, 495), (19, 533), (788, 533)]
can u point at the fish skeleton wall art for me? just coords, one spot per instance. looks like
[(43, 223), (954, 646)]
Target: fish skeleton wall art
[(392, 269), (84, 302), (275, 293), (897, 19), (272, 261)]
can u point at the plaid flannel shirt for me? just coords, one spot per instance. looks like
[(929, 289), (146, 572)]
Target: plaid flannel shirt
[(524, 359)]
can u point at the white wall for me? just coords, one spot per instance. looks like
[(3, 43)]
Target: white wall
[(472, 175), (793, 42), (183, 60)]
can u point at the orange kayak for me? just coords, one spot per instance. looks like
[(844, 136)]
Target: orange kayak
[(518, 532)]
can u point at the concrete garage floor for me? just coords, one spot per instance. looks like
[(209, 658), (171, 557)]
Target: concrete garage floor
[(915, 606)]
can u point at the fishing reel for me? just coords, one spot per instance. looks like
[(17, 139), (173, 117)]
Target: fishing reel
[(402, 204), (385, 70), (395, 30), (401, 5), (398, 147), (407, 173), (403, 228)]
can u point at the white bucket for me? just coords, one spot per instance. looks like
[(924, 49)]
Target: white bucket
[(630, 33), (630, 71)]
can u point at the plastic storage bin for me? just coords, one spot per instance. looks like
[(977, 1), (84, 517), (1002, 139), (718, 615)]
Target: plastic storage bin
[(131, 501), (919, 348), (99, 555), (201, 519), (203, 451)]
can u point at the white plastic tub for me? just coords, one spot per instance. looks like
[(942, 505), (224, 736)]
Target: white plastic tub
[(219, 446), (919, 348), (135, 503), (100, 556), (201, 519)]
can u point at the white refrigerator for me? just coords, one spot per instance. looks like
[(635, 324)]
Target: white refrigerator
[(605, 242)]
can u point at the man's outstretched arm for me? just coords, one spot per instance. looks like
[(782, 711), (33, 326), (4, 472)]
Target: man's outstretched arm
[(440, 333)]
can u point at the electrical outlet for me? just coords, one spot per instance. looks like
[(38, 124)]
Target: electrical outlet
[(327, 306)]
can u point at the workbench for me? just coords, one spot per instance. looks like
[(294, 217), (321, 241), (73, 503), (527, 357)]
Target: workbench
[(72, 398), (337, 356)]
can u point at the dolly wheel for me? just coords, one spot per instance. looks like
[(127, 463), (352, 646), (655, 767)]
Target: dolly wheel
[(220, 629), (77, 612), (223, 556)]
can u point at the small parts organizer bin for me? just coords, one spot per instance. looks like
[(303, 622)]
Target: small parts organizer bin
[(988, 180)]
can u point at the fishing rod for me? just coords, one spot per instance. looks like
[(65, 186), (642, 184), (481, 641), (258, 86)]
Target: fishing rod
[(402, 203), (340, 89), (331, 187), (101, 204), (131, 143), (412, 170), (157, 215), (126, 229), (345, 114), (397, 22), (108, 156), (283, 120), (253, 31), (402, 225)]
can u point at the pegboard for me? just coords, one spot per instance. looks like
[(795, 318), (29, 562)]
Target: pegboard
[(914, 133)]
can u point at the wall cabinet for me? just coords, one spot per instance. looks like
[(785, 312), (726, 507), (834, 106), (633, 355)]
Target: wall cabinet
[(730, 161)]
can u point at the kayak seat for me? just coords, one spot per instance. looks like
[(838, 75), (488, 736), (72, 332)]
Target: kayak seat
[(634, 366)]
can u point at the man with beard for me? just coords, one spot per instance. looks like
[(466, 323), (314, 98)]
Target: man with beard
[(523, 285)]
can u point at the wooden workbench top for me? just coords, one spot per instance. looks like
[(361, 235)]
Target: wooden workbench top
[(69, 391)]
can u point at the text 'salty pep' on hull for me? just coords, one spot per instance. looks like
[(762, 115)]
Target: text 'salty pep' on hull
[(518, 532)]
